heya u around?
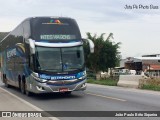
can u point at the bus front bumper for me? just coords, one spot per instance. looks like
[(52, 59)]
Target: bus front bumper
[(37, 87)]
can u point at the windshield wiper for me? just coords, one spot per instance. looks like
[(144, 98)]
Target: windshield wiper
[(49, 69), (75, 68)]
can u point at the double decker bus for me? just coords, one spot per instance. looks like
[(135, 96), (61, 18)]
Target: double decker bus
[(44, 55)]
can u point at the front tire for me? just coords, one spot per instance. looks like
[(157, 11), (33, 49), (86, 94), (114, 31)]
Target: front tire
[(7, 85), (28, 93), (5, 82), (23, 87)]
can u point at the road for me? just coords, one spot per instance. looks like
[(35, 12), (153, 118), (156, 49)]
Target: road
[(96, 98)]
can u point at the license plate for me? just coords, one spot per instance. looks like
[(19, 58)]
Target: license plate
[(63, 89)]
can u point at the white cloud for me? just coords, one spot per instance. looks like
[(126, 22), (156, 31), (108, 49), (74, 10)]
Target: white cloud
[(137, 29)]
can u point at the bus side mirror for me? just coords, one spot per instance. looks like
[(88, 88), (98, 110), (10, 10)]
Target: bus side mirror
[(32, 46), (91, 45)]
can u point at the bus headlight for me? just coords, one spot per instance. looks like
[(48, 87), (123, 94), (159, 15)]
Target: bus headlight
[(40, 80), (36, 77), (83, 77)]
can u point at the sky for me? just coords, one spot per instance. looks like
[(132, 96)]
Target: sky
[(134, 23)]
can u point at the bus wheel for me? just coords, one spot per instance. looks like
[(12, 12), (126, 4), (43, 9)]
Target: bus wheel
[(19, 83), (23, 86), (5, 82), (28, 93)]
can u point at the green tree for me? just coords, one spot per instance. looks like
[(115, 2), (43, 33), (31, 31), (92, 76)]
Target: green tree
[(106, 54)]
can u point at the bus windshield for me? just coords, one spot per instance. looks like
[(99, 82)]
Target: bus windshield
[(55, 29), (59, 59)]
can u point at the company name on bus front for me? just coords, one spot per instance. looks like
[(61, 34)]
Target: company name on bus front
[(56, 77), (11, 53)]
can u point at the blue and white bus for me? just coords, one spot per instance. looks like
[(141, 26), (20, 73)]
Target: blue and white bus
[(44, 55)]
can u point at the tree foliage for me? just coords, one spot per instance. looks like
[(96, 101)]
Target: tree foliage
[(106, 54)]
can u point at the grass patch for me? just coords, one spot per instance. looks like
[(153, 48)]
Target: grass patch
[(150, 84), (151, 87), (109, 82)]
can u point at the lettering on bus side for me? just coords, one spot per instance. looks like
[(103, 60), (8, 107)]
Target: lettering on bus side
[(11, 53)]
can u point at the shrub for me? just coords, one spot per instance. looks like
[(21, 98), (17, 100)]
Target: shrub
[(150, 83), (108, 81)]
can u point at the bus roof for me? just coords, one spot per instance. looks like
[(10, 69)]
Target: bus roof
[(38, 17)]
